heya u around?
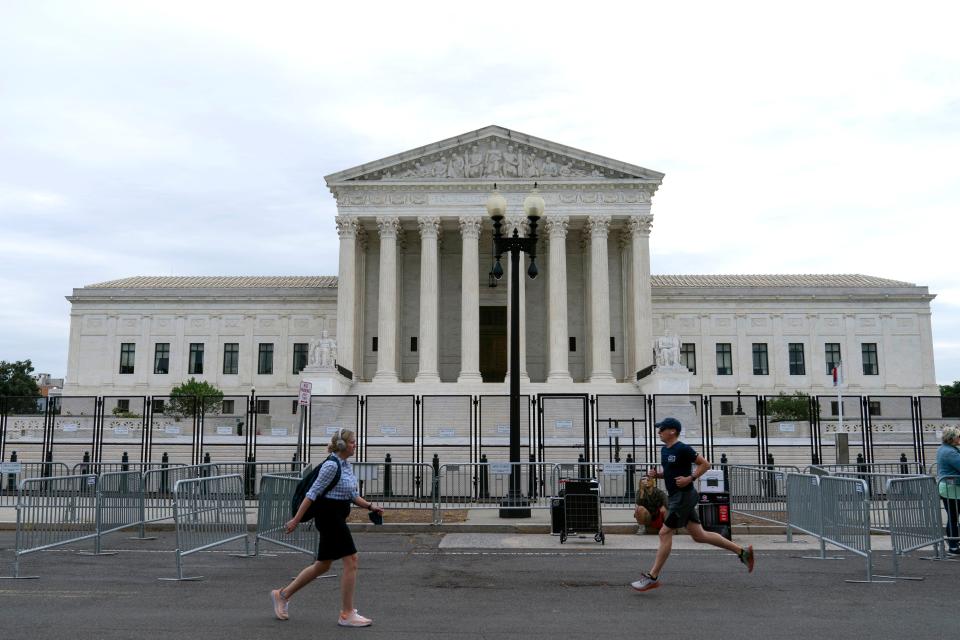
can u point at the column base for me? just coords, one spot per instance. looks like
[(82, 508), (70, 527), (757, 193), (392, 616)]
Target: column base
[(385, 376), (427, 378), (470, 376), (559, 377), (602, 378)]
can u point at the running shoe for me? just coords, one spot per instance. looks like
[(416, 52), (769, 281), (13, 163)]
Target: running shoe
[(279, 605), (746, 557), (354, 620), (646, 582)]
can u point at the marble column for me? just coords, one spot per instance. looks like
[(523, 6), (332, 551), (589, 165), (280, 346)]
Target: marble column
[(387, 309), (520, 223), (601, 370), (470, 300), (559, 364), (427, 343), (641, 305), (346, 294)]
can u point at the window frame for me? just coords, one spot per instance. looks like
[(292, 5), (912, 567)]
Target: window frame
[(161, 357), (828, 355), (688, 355), (870, 358), (796, 368), (724, 350), (195, 361), (301, 356), (763, 354), (128, 357), (265, 359), (231, 349)]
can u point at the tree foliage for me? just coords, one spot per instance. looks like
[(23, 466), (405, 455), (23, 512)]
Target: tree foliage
[(184, 398), (789, 407), (950, 390), (17, 383)]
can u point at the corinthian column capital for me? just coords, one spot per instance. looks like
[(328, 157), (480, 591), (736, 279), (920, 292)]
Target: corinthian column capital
[(599, 226), (470, 227), (346, 227), (389, 226), (641, 225), (429, 226), (557, 226), (517, 222)]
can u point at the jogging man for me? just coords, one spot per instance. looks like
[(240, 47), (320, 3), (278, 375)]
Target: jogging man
[(676, 460)]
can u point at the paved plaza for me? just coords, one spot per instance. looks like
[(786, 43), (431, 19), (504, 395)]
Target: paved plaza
[(469, 585)]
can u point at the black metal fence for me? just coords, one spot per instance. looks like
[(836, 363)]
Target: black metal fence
[(440, 429)]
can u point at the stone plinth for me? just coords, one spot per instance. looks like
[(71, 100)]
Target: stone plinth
[(326, 381)]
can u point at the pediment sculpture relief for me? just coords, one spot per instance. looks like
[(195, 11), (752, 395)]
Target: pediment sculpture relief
[(494, 158)]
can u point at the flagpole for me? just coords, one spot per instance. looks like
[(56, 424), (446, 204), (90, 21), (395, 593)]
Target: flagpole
[(838, 381)]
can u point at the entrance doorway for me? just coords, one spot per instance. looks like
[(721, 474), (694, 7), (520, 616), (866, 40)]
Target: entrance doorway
[(493, 343)]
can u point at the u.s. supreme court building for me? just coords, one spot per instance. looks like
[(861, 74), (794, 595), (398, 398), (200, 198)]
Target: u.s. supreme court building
[(408, 342)]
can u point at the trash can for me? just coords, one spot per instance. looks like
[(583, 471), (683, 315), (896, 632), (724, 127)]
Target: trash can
[(556, 516), (714, 507)]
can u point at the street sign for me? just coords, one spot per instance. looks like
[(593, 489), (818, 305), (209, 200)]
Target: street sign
[(306, 388)]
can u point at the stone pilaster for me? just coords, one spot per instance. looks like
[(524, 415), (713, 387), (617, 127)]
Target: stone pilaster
[(470, 300), (347, 293), (639, 300)]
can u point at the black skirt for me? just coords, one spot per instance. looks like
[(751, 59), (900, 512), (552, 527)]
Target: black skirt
[(335, 539)]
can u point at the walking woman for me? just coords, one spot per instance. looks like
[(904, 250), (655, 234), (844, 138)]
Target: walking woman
[(948, 474), (333, 507)]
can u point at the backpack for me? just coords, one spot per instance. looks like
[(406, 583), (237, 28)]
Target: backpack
[(304, 485)]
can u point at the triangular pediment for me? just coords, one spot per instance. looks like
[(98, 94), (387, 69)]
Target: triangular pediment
[(493, 153)]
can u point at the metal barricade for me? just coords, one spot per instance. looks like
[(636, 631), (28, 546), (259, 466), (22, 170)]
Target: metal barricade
[(273, 513), (759, 491), (53, 512), (889, 468), (948, 488), (485, 485), (914, 517), (208, 512), (98, 468), (618, 480), (846, 518), (158, 490), (119, 503), (877, 494), (399, 485), (252, 472), (16, 472)]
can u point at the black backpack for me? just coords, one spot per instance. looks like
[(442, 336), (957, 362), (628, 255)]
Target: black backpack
[(304, 485)]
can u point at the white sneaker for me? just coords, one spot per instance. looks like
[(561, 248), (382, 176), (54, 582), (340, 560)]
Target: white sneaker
[(279, 605), (354, 620), (646, 582)]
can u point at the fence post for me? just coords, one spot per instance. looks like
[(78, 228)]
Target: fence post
[(484, 477), (387, 475), (631, 492), (532, 478), (12, 477), (435, 489), (249, 476), (582, 471), (165, 476)]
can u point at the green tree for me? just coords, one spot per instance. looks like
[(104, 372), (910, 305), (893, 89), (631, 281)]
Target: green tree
[(17, 383), (183, 398), (784, 407), (950, 390)]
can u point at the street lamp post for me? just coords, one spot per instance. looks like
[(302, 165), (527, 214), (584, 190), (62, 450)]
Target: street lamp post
[(739, 411), (514, 506)]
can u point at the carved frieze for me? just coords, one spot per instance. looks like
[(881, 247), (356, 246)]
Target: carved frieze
[(377, 196)]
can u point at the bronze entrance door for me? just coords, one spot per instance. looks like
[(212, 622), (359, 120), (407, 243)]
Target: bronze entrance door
[(493, 343)]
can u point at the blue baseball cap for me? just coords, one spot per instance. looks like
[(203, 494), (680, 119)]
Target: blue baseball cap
[(669, 423)]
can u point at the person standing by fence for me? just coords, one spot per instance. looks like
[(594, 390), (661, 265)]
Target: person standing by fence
[(677, 459), (948, 477), (333, 508)]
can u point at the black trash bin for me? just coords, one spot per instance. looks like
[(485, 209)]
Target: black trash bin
[(714, 507)]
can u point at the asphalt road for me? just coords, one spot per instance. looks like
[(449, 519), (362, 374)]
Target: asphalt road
[(413, 588)]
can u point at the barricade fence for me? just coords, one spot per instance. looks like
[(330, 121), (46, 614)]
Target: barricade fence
[(158, 490), (16, 472), (846, 518), (252, 472), (273, 513), (487, 485), (876, 484), (805, 507), (208, 512), (399, 485), (119, 503), (914, 517), (948, 488), (759, 491), (98, 468), (53, 512)]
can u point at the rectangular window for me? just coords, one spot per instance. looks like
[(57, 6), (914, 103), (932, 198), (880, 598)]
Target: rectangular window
[(157, 406), (874, 407), (265, 359), (293, 409), (724, 359), (870, 365), (761, 362), (831, 351), (613, 343), (688, 356), (161, 358), (195, 365), (413, 343), (726, 407), (227, 407), (834, 408), (798, 366), (374, 345), (300, 356), (572, 343), (231, 358), (127, 351), (263, 406), (123, 405)]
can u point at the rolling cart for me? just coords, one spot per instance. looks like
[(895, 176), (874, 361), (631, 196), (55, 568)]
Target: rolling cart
[(581, 511)]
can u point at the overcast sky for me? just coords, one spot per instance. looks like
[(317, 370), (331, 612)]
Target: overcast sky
[(169, 138)]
